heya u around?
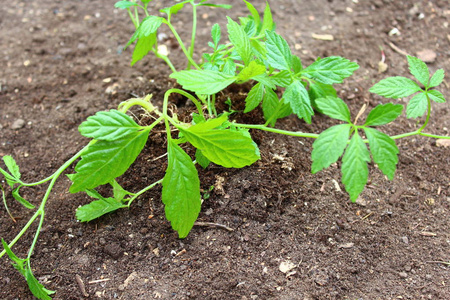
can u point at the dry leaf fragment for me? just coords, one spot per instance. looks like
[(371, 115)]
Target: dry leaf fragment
[(323, 37), (287, 266), (443, 143)]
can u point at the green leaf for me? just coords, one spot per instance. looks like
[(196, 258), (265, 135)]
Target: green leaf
[(224, 6), (105, 160), (9, 178), (320, 90), (118, 191), (109, 126), (174, 9), (225, 147), (297, 97), (383, 114), (20, 199), (229, 67), (384, 151), (279, 54), (254, 12), (213, 123), (203, 82), (98, 208), (437, 78), (354, 167), (216, 34), (417, 106), (334, 108), (419, 69), (181, 190), (265, 80), (18, 263), (143, 46), (296, 64), (436, 96), (148, 26), (202, 160), (12, 166), (240, 40), (254, 97), (329, 146), (273, 108), (267, 23), (252, 70), (282, 79), (330, 70), (124, 4), (395, 87)]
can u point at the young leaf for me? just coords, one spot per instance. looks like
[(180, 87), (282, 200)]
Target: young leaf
[(224, 6), (296, 64), (330, 70), (12, 166), (384, 151), (436, 96), (20, 199), (181, 190), (354, 167), (254, 12), (143, 46), (174, 9), (211, 123), (9, 178), (265, 80), (417, 106), (279, 54), (216, 34), (267, 23), (240, 40), (320, 90), (282, 79), (252, 70), (202, 160), (437, 78), (395, 87), (383, 114), (148, 26), (297, 97), (98, 208), (124, 4), (109, 126), (329, 146), (118, 191), (419, 69), (254, 97), (225, 147), (229, 68), (203, 82), (273, 108), (104, 160), (334, 108)]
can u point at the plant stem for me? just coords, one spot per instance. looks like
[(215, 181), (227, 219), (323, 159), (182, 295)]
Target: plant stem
[(166, 60), (143, 191), (136, 25), (280, 131), (187, 95), (177, 37), (194, 30), (428, 115)]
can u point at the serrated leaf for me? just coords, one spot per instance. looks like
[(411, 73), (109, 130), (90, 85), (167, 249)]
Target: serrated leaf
[(282, 79), (267, 23), (384, 151), (98, 208), (273, 108), (436, 96), (12, 166), (383, 114), (417, 106), (148, 26), (297, 97), (252, 70), (334, 107), (202, 160), (354, 167), (437, 78), (320, 90), (118, 191), (105, 160), (265, 80), (254, 12), (181, 190), (203, 82), (143, 46), (240, 40), (254, 97), (216, 34), (174, 9), (330, 70), (124, 4), (329, 146), (395, 87), (419, 69), (279, 54), (211, 123), (249, 27), (20, 199), (229, 67), (225, 147), (296, 64), (109, 126)]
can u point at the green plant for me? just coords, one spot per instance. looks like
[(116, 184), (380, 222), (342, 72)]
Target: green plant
[(281, 86)]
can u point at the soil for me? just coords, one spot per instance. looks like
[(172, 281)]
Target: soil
[(62, 61)]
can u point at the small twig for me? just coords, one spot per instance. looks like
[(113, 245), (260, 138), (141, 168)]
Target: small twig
[(397, 49), (81, 285), (99, 280), (438, 262), (361, 111), (209, 224)]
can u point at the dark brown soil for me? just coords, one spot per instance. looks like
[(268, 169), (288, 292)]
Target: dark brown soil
[(58, 58)]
